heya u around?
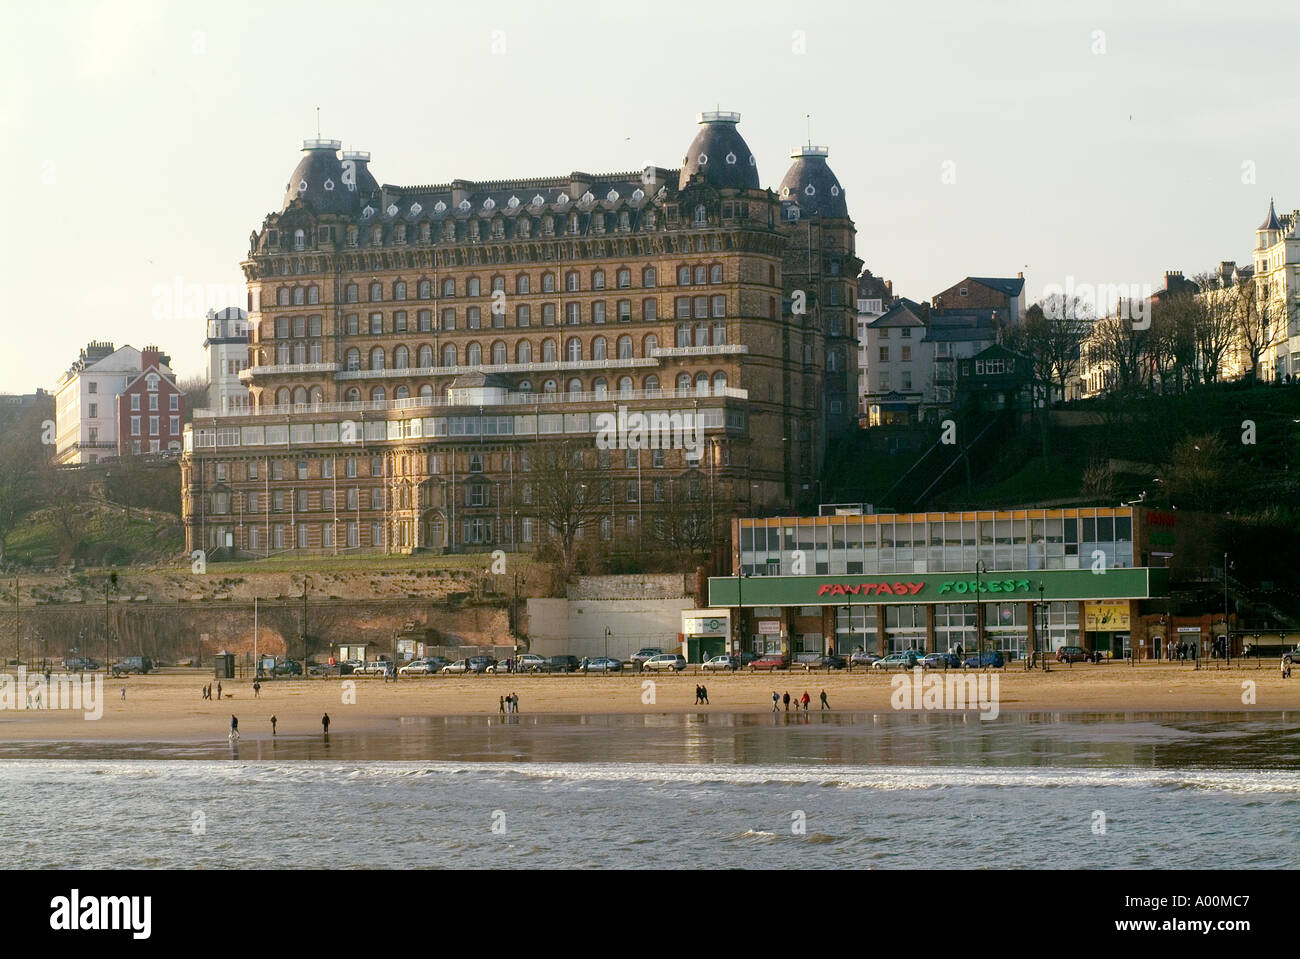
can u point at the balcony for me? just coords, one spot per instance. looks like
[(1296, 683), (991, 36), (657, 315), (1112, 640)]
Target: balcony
[(285, 369)]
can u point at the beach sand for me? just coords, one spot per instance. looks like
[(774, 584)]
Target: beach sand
[(168, 706)]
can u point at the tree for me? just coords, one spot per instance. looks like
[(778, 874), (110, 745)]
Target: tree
[(1054, 332), (195, 389), (67, 498), (1196, 475), (687, 524), (1212, 316), (22, 457), (1121, 347), (1258, 320), (565, 493)]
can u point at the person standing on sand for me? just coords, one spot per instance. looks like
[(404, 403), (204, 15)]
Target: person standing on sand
[(503, 705), (325, 723), (805, 700), (825, 703), (218, 690), (273, 725), (234, 726), (123, 694), (704, 694), (257, 690), (786, 699), (514, 702), (776, 701)]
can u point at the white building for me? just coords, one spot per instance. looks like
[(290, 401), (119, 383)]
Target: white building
[(868, 310), (85, 400), (226, 346), (1277, 287)]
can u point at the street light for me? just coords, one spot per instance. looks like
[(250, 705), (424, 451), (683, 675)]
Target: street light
[(1040, 626), (980, 568), (607, 642)]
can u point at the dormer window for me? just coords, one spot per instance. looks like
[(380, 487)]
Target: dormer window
[(152, 382), (299, 240), (352, 236), (701, 216)]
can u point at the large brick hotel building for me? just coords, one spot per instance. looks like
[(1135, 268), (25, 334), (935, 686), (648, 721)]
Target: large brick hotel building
[(409, 344)]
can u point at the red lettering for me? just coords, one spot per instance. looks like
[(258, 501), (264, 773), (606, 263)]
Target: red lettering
[(823, 589), (915, 588), (884, 588)]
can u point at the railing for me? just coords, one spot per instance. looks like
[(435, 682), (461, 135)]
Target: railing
[(281, 369), (510, 399), (726, 349)]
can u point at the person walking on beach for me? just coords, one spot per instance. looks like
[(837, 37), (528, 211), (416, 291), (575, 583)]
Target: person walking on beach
[(698, 695), (218, 690), (273, 724), (257, 690), (203, 693), (704, 694), (234, 726), (786, 699), (825, 703), (514, 702), (776, 702), (1286, 668), (805, 700), (325, 723), (123, 694), (503, 705)]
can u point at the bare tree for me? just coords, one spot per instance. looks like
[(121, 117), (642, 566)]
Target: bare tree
[(566, 494), (1196, 474), (68, 509), (1054, 332), (1123, 348), (195, 389), (1258, 318)]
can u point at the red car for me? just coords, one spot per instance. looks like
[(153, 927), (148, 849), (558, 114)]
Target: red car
[(1076, 654), (770, 662)]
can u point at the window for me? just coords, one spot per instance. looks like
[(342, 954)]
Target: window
[(523, 315), (624, 311), (448, 287), (683, 276), (649, 309), (571, 281), (624, 278), (548, 282), (597, 279), (174, 425), (153, 426), (521, 283), (548, 314), (598, 348), (424, 289), (524, 352), (352, 359), (449, 319), (499, 357), (648, 276), (548, 351), (598, 311), (625, 347), (474, 355), (377, 358), (573, 350), (572, 314), (135, 426), (471, 286), (884, 354)]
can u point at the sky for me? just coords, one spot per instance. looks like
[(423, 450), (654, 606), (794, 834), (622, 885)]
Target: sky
[(1084, 143)]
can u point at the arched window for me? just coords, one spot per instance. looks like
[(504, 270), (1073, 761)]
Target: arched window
[(424, 290), (625, 347), (471, 286), (426, 392), (401, 358), (683, 382), (300, 396), (701, 215), (549, 386), (399, 290), (573, 350), (597, 279), (683, 276), (448, 287), (498, 283), (600, 387), (648, 276), (351, 294), (299, 296), (598, 348), (521, 283), (548, 282), (701, 384), (300, 353), (575, 386), (353, 395), (649, 345), (377, 358), (401, 393), (313, 294), (571, 281), (715, 273), (700, 273), (524, 352), (652, 384), (623, 278), (424, 358), (449, 355), (719, 382), (376, 291), (474, 355), (282, 396), (548, 351), (378, 394), (625, 385), (352, 359), (299, 239), (282, 296), (499, 353)]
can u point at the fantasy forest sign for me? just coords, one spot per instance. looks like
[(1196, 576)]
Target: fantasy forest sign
[(1018, 585)]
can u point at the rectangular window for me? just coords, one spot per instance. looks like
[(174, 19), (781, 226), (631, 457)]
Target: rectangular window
[(135, 403), (174, 402), (135, 426), (174, 425)]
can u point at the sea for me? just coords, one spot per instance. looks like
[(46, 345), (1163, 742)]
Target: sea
[(717, 790)]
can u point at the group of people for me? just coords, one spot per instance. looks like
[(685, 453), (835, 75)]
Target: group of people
[(701, 695), (1179, 652), (510, 704), (777, 701), (234, 725), (207, 691)]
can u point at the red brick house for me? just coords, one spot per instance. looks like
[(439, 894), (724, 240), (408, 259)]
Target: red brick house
[(151, 409)]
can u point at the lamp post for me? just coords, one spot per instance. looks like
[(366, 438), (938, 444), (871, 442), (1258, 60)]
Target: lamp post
[(306, 582), (1039, 626), (980, 568), (18, 626), (607, 642), (111, 582), (1227, 637)]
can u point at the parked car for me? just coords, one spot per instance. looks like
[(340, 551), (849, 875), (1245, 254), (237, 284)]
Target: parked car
[(436, 663), (1292, 655), (990, 659), (560, 664), (376, 667), (673, 661), (601, 664), (832, 661), (1076, 654), (904, 659), (459, 666), (641, 655), (748, 657), (861, 657), (416, 667), (79, 663), (529, 663), (771, 661), (723, 662), (133, 664), (287, 667), (481, 664), (941, 661)]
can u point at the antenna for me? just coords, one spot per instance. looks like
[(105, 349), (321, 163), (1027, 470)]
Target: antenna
[(318, 123), (807, 116)]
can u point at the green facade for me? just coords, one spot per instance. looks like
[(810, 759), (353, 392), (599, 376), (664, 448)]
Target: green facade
[(900, 588)]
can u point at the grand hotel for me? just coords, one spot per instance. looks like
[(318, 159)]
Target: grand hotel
[(409, 346)]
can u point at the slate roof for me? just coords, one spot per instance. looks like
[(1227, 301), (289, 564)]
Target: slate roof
[(812, 185), (721, 154)]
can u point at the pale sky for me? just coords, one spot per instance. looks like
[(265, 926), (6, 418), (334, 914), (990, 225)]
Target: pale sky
[(1103, 142)]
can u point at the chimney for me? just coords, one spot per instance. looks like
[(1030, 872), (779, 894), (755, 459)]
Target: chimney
[(460, 191), (1020, 274)]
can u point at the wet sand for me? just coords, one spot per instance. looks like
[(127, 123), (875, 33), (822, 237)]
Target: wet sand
[(168, 707)]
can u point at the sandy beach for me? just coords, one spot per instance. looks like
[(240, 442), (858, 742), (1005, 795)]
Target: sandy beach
[(169, 705)]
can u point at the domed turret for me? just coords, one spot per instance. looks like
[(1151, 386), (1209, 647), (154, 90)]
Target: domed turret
[(810, 183), (318, 179), (720, 153)]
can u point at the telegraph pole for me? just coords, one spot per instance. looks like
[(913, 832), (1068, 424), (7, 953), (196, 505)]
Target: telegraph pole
[(18, 626)]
